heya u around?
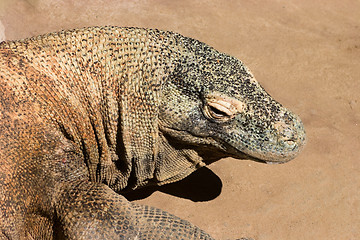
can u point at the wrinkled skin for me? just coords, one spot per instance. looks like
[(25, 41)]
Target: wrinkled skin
[(87, 114)]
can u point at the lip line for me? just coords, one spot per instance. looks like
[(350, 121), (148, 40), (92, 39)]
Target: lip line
[(225, 146)]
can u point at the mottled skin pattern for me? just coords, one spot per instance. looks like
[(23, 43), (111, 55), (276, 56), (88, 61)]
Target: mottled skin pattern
[(88, 113)]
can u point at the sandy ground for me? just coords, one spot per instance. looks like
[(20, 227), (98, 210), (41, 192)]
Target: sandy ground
[(307, 55)]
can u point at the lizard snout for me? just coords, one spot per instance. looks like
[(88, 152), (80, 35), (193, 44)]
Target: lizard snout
[(291, 134)]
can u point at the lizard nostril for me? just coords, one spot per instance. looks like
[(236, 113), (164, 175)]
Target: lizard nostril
[(287, 134), (290, 143)]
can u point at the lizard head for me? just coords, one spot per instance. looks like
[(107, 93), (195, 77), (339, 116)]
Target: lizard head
[(213, 104)]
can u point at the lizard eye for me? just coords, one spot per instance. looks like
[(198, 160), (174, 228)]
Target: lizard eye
[(222, 108), (216, 112)]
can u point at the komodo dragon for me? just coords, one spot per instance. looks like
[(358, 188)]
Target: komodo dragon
[(87, 114)]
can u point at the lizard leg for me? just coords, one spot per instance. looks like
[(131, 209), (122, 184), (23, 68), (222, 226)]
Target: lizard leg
[(155, 223), (94, 211)]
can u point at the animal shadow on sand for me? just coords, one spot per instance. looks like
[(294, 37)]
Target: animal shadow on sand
[(202, 185)]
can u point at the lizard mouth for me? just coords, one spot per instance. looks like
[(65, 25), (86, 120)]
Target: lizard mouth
[(244, 156), (265, 161), (278, 152), (268, 157), (274, 153)]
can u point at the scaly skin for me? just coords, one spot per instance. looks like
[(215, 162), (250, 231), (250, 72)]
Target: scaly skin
[(86, 114)]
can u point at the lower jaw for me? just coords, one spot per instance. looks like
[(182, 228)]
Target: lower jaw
[(245, 156)]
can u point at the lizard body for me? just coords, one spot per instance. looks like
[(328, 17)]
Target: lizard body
[(88, 113)]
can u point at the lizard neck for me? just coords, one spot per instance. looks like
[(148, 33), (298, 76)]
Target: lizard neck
[(107, 84)]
